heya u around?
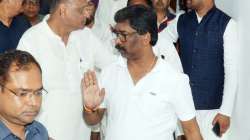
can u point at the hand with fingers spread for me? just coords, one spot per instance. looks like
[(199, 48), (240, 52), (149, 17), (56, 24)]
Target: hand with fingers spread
[(92, 94), (224, 123)]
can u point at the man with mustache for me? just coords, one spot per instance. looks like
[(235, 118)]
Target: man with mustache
[(142, 94), (21, 91)]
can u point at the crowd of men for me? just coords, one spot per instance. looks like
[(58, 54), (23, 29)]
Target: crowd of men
[(116, 70)]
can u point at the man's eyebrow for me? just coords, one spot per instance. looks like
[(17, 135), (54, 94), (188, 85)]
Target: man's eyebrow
[(121, 31), (27, 89)]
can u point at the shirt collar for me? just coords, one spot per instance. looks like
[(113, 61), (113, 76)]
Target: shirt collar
[(30, 129), (206, 15), (4, 131), (51, 33), (48, 29), (122, 62), (170, 15)]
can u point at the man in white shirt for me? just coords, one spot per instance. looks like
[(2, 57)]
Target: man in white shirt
[(64, 54), (208, 51), (144, 94)]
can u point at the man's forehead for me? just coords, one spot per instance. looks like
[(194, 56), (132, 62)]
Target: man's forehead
[(143, 2), (80, 2), (25, 77), (33, 1), (161, 0), (123, 26)]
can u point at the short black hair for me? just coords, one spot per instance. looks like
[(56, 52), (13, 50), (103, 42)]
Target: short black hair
[(38, 1), (21, 59), (149, 3), (140, 18)]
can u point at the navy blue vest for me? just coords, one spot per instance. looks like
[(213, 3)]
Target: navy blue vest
[(201, 54)]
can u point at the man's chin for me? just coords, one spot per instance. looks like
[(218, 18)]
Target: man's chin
[(28, 117), (32, 16), (26, 120), (79, 28)]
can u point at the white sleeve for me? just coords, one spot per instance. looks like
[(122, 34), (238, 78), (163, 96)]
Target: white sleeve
[(165, 47), (171, 30), (22, 45), (183, 100), (25, 45), (231, 68), (172, 57), (95, 128)]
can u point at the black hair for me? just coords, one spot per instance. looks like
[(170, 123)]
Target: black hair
[(141, 18), (25, 1), (148, 2), (21, 59)]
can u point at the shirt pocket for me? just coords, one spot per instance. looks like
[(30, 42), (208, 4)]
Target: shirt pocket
[(150, 104)]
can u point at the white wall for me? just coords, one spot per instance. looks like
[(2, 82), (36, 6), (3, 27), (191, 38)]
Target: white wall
[(228, 6), (241, 117)]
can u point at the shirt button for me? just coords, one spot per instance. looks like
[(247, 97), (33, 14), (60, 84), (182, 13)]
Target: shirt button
[(196, 33), (193, 66), (194, 50)]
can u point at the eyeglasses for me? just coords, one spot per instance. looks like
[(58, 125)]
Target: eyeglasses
[(23, 94), (121, 35)]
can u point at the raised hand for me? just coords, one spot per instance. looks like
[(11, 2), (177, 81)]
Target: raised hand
[(92, 94)]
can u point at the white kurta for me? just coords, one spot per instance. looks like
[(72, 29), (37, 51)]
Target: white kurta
[(62, 68)]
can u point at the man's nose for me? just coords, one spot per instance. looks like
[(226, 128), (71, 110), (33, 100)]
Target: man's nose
[(118, 41), (32, 99)]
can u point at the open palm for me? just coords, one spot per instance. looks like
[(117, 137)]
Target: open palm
[(92, 94)]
